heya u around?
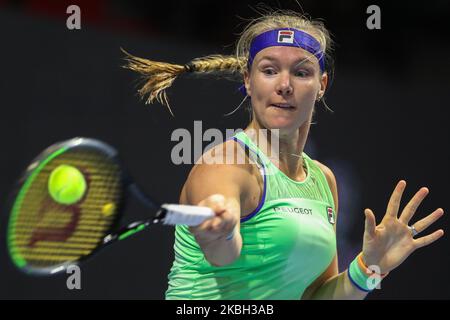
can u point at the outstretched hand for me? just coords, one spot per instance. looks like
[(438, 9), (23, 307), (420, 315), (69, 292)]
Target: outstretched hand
[(388, 244), (219, 226)]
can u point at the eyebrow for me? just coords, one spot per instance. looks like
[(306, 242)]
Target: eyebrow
[(299, 61)]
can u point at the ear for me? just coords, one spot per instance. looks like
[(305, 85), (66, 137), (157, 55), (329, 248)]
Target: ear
[(247, 82), (323, 84)]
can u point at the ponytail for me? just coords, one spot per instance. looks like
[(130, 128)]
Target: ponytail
[(159, 76)]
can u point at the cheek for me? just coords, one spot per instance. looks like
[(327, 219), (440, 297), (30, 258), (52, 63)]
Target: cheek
[(261, 92), (306, 91), (261, 87)]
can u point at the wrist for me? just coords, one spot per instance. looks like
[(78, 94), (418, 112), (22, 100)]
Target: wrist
[(365, 278), (369, 267), (230, 236)]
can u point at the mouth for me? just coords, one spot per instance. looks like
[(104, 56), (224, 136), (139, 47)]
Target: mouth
[(283, 106)]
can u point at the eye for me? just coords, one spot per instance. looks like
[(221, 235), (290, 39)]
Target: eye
[(269, 72), (302, 73)]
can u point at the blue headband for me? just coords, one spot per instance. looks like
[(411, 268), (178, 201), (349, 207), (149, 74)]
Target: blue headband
[(286, 37)]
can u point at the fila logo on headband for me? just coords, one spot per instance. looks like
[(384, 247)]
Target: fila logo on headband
[(285, 36)]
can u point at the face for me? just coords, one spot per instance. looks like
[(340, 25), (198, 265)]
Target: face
[(284, 83)]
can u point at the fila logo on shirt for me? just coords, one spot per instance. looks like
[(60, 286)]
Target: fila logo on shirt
[(330, 214), (285, 36)]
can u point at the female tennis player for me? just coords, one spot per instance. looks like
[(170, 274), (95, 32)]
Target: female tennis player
[(274, 233)]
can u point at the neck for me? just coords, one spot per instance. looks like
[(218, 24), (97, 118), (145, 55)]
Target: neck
[(284, 149)]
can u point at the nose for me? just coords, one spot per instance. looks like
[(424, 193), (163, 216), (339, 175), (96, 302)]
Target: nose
[(284, 87)]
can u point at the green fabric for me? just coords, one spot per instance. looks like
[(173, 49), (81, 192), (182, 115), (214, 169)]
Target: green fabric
[(286, 245), (360, 279)]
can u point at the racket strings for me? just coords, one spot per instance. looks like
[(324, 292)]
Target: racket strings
[(45, 233)]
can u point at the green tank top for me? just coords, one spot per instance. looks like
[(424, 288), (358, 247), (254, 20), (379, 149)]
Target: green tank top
[(288, 241)]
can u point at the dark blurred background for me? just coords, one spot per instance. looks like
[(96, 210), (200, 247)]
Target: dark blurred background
[(390, 121)]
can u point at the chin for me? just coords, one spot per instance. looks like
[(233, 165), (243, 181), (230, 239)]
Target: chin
[(282, 124)]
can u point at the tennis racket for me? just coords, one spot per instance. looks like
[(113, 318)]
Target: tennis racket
[(44, 237)]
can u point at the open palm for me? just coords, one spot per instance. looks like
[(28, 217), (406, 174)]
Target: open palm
[(388, 244)]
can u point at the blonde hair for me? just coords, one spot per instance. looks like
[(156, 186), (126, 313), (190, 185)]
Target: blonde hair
[(159, 76)]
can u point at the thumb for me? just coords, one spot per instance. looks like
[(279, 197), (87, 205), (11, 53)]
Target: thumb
[(370, 223)]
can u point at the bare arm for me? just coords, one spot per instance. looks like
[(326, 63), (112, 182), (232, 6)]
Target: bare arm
[(332, 284), (220, 187), (385, 245)]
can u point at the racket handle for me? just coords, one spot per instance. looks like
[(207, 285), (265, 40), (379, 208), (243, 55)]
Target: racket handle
[(173, 214), (168, 214)]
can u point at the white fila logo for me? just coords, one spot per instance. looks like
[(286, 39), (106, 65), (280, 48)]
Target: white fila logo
[(285, 36)]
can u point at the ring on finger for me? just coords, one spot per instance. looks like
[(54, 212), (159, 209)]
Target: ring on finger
[(413, 230)]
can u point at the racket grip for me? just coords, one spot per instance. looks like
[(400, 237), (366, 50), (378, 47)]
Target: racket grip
[(173, 214)]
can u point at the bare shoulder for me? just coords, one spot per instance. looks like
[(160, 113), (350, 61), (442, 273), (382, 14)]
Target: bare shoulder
[(328, 174), (222, 169)]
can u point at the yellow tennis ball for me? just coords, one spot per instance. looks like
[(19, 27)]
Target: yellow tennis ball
[(66, 184)]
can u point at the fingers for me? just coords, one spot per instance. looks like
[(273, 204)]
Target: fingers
[(429, 239), (413, 204), (394, 201), (424, 223), (217, 203), (222, 223), (370, 223)]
